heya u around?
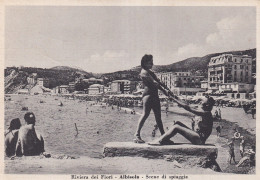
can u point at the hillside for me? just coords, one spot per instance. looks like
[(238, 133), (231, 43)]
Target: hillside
[(74, 69), (197, 64), (16, 78)]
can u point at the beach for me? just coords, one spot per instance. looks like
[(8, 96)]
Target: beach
[(97, 124)]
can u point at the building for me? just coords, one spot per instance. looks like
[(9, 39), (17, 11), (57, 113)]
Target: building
[(228, 68), (44, 82), (182, 82), (23, 91), (236, 87), (107, 89), (63, 89), (204, 85), (32, 79), (95, 89), (186, 91), (39, 90), (56, 90), (71, 86), (93, 80), (122, 86)]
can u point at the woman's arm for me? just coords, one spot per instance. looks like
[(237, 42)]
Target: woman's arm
[(188, 108)]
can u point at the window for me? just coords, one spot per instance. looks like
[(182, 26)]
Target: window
[(235, 66), (235, 73), (241, 67), (235, 60)]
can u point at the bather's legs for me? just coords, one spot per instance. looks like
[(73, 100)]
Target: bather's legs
[(180, 128)]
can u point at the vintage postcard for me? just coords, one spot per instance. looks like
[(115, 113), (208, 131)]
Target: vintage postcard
[(129, 89)]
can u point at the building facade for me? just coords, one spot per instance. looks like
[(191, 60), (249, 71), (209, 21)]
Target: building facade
[(236, 87), (32, 79), (180, 80), (186, 91), (71, 86), (91, 81), (63, 89), (96, 89), (228, 68), (123, 86), (44, 82)]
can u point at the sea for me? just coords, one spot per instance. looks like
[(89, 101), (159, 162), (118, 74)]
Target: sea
[(82, 128)]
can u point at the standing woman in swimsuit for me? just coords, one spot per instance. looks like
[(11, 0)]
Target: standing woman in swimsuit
[(203, 124), (150, 96)]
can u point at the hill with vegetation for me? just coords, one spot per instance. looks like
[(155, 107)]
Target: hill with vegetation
[(198, 65), (16, 78)]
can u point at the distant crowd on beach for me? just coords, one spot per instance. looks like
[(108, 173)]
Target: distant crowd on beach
[(23, 140)]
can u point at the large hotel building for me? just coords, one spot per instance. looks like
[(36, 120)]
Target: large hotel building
[(228, 68)]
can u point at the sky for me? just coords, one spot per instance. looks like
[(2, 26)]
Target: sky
[(107, 39)]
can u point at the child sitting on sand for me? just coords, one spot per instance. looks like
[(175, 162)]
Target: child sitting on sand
[(203, 124), (29, 143), (11, 137)]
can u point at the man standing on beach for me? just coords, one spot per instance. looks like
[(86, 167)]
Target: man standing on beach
[(218, 128), (242, 146), (232, 150), (219, 113)]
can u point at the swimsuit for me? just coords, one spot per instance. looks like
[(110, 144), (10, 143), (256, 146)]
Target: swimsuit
[(149, 87), (204, 129)]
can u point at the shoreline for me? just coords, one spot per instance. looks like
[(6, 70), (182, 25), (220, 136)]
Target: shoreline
[(37, 165)]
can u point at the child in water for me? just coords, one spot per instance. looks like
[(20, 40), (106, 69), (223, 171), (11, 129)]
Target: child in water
[(29, 142), (11, 137), (203, 124)]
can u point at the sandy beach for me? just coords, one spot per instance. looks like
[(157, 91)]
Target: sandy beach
[(98, 125)]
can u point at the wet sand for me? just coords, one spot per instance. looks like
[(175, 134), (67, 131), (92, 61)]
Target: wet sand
[(109, 125)]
